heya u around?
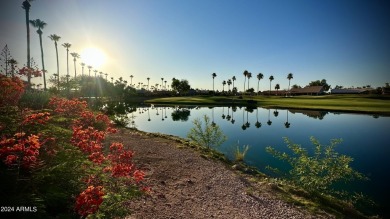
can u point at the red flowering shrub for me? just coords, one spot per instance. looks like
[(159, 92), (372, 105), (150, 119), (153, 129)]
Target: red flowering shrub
[(66, 107), (25, 71), (11, 90), (89, 200), (20, 150), (122, 164), (36, 118), (100, 121)]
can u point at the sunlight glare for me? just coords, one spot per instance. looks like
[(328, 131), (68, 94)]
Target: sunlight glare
[(93, 56)]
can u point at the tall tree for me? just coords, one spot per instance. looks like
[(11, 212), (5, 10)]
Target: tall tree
[(89, 70), (40, 25), (82, 68), (229, 82), (56, 38), (213, 75), (233, 79), (106, 76), (13, 64), (289, 77), (249, 75), (259, 77), (148, 82), (75, 56), (26, 6), (162, 83), (320, 83), (223, 85), (67, 46), (271, 78), (6, 54), (131, 80), (277, 87), (245, 74)]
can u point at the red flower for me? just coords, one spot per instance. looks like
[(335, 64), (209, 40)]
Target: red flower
[(89, 200)]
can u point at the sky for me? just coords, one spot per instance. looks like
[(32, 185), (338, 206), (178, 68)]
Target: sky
[(346, 42)]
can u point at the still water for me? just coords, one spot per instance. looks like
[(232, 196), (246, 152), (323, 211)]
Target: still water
[(365, 137)]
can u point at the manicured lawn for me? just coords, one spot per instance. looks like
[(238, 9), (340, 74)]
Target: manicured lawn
[(377, 104)]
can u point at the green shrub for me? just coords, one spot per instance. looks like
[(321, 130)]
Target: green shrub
[(34, 100), (320, 171), (207, 135)]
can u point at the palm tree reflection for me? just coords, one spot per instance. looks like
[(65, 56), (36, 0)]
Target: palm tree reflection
[(257, 124), (269, 122), (287, 124)]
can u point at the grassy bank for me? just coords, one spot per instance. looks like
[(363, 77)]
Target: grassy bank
[(372, 104)]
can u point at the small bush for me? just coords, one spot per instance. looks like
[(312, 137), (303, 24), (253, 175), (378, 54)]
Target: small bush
[(320, 171), (207, 135)]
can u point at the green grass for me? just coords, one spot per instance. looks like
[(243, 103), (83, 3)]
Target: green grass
[(374, 104)]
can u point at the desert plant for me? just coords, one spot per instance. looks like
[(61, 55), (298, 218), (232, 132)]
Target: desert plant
[(206, 135), (319, 172), (240, 152)]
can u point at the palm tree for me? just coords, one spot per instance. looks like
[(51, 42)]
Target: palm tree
[(131, 80), (101, 74), (106, 76), (289, 77), (245, 75), (233, 79), (165, 85), (249, 75), (162, 82), (95, 72), (67, 46), (112, 79), (56, 38), (277, 87), (213, 75), (75, 57), (40, 25), (26, 6), (229, 82), (223, 85), (89, 70), (148, 82), (271, 78), (82, 68), (259, 77)]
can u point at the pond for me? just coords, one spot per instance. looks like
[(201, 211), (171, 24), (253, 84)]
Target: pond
[(365, 137)]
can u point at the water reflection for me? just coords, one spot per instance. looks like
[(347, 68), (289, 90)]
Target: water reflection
[(365, 143)]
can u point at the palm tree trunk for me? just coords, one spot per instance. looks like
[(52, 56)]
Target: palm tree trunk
[(74, 61), (213, 86), (270, 87), (58, 65), (244, 83), (27, 9), (258, 87), (289, 86), (43, 61)]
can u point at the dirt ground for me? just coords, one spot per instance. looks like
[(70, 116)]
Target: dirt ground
[(187, 185)]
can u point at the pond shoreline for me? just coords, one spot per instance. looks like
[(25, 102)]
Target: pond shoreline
[(344, 104), (190, 182)]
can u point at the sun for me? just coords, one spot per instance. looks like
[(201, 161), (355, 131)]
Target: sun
[(93, 56)]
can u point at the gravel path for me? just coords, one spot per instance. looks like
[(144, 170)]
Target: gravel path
[(185, 185)]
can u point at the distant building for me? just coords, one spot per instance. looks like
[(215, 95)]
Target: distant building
[(386, 90), (350, 91), (308, 90)]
